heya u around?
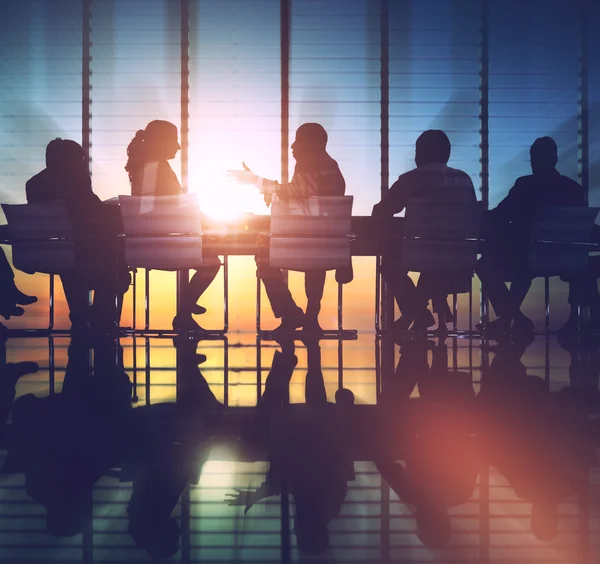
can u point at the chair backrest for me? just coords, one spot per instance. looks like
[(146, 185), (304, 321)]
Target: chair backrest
[(156, 216), (41, 236), (162, 232), (45, 221), (564, 224), (311, 234), (441, 236), (318, 216), (555, 232), (442, 221)]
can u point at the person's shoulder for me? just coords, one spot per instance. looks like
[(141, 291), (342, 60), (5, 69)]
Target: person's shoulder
[(408, 177), (525, 182), (36, 186), (38, 178), (459, 175), (570, 183)]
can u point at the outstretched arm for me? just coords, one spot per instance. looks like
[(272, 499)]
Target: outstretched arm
[(302, 186), (268, 488), (393, 201)]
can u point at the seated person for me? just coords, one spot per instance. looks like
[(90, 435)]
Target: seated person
[(506, 231), (316, 174), (433, 180), (66, 177), (308, 448), (10, 296), (151, 175)]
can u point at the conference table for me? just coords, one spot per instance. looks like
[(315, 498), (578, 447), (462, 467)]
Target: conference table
[(239, 237)]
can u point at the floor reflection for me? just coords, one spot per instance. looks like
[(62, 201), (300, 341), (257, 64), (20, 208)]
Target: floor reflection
[(242, 450)]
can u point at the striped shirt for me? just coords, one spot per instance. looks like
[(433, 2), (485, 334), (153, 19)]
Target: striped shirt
[(321, 179)]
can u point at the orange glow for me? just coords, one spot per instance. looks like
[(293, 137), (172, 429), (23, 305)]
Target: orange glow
[(223, 199)]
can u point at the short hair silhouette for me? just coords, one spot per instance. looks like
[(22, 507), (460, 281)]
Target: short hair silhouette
[(312, 133), (544, 154), (64, 153), (433, 146), (344, 397)]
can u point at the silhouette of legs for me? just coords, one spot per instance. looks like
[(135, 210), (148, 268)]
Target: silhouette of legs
[(506, 302), (281, 300), (10, 295), (278, 380), (198, 284), (314, 284), (583, 291), (314, 387), (77, 295), (412, 303), (430, 287)]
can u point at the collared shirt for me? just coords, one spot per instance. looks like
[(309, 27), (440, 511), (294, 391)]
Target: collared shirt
[(322, 178)]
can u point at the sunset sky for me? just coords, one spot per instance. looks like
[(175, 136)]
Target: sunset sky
[(334, 79)]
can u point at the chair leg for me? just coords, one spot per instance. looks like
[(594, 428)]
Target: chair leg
[(134, 397), (471, 307), (454, 311), (547, 303), (225, 372), (51, 367), (258, 369), (340, 307), (377, 295), (147, 299), (340, 364), (225, 293), (147, 368), (134, 301), (51, 304), (258, 292)]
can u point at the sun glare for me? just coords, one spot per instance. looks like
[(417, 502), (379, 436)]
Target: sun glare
[(223, 199)]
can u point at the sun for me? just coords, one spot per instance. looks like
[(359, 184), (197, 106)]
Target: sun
[(223, 199)]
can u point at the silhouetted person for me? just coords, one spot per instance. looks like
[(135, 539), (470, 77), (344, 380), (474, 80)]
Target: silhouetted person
[(10, 296), (507, 231), (308, 450), (64, 442), (168, 445), (540, 441), (440, 469), (10, 373), (151, 175), (95, 227), (584, 369), (316, 174), (434, 181)]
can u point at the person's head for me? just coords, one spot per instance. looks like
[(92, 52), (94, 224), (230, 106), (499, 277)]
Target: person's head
[(544, 521), (311, 140), (64, 154), (344, 397), (543, 155), (433, 146), (157, 142)]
